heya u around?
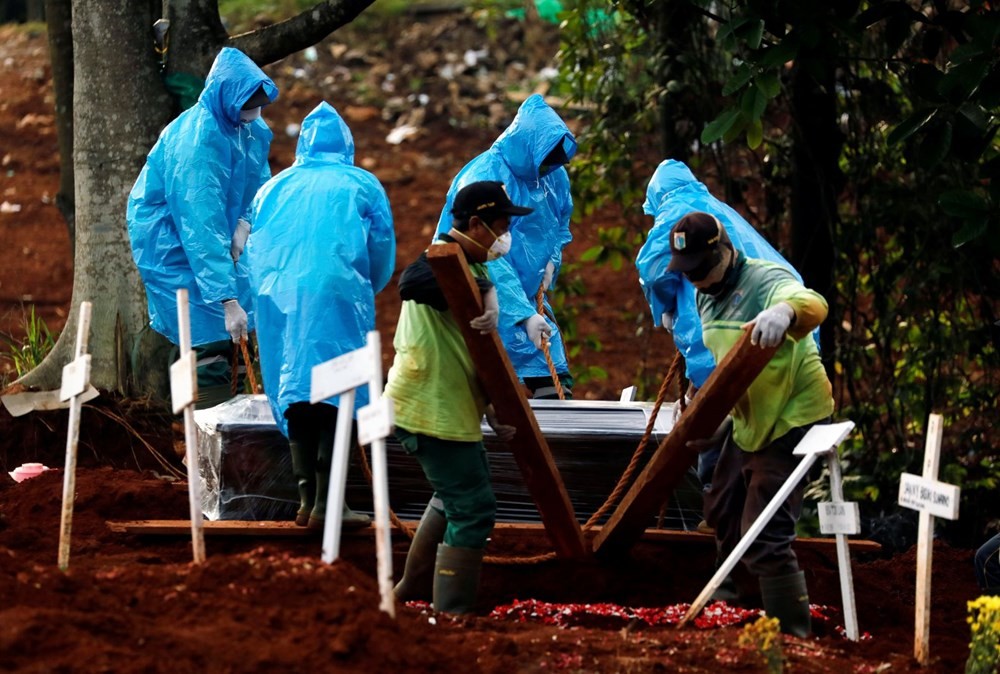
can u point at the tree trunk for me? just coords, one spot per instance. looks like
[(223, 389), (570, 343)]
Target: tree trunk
[(60, 33), (120, 105), (816, 183)]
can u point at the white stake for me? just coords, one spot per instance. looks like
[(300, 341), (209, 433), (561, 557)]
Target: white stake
[(338, 477), (380, 488), (184, 391), (925, 548), (843, 554), (76, 376)]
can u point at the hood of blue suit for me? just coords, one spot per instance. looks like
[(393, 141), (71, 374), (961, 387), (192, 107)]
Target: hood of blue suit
[(536, 130), (325, 136), (671, 175), (231, 82)]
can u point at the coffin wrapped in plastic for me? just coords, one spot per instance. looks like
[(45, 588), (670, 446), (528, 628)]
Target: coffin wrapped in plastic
[(246, 468)]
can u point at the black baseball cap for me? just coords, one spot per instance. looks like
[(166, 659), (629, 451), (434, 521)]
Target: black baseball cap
[(693, 239), (487, 199)]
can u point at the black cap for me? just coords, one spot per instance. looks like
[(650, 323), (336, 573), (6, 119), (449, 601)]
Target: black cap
[(487, 199), (693, 239)]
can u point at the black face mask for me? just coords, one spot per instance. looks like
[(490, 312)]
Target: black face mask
[(717, 288)]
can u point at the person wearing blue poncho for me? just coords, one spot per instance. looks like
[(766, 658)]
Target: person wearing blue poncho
[(672, 193), (322, 246), (528, 158), (186, 215)]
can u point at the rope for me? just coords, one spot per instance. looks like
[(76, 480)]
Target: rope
[(249, 365), (234, 375), (540, 300)]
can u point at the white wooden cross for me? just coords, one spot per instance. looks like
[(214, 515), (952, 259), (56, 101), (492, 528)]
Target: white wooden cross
[(75, 381), (183, 393), (820, 439), (340, 376), (932, 499)]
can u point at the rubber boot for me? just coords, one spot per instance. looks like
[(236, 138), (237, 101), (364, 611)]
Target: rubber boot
[(317, 518), (456, 579), (787, 599), (417, 583), (304, 469)]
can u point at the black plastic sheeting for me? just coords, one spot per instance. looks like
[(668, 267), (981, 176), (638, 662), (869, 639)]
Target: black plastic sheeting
[(246, 468)]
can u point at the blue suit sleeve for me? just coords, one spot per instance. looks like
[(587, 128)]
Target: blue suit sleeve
[(196, 196), (381, 240), (510, 294)]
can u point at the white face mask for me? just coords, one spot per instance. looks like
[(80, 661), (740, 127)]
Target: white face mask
[(500, 247), (250, 115)]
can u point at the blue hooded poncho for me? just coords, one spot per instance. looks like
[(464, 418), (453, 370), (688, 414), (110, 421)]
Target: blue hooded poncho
[(321, 246), (537, 238), (198, 181), (673, 192)]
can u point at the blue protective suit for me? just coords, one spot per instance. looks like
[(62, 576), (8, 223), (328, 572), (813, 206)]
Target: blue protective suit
[(321, 246), (198, 181), (673, 192), (538, 237)]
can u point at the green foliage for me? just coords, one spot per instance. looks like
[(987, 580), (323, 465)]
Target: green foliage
[(27, 353)]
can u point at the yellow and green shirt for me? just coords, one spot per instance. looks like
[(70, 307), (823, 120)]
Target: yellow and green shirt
[(433, 381), (793, 390)]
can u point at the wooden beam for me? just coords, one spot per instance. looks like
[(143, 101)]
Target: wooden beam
[(730, 380), (502, 531), (530, 450)]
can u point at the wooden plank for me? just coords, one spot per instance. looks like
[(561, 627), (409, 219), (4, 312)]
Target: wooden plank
[(502, 530), (730, 380), (530, 450)]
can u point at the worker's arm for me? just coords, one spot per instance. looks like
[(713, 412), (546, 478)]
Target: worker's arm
[(418, 283)]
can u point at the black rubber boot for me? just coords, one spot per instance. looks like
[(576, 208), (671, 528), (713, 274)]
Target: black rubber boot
[(417, 583), (304, 469), (456, 579), (787, 599)]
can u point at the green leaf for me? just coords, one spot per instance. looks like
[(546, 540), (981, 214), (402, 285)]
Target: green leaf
[(910, 126), (779, 54), (963, 204), (591, 254), (752, 103), (972, 228), (718, 127), (739, 78), (769, 84), (755, 34), (755, 134)]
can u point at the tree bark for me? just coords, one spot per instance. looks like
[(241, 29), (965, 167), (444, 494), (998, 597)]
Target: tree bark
[(59, 13), (119, 107)]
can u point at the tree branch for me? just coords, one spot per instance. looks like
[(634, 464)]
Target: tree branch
[(267, 45)]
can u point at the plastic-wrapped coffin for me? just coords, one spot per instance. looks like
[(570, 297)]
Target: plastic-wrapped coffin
[(247, 473)]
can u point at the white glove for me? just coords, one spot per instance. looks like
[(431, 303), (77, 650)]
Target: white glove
[(236, 320), (491, 311), (770, 325), (550, 270), (239, 239), (504, 432), (538, 329), (667, 321)]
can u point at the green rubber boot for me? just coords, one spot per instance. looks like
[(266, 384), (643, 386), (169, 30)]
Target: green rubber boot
[(456, 579), (317, 518), (787, 599), (304, 469), (417, 583)]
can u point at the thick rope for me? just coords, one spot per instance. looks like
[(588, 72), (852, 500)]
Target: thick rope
[(234, 376), (540, 300), (249, 365)]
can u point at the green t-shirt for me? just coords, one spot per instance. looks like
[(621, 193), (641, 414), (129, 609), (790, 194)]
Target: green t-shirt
[(433, 380), (793, 389)]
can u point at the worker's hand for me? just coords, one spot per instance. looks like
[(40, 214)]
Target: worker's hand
[(491, 312), (504, 432), (236, 320), (689, 395), (538, 329), (667, 321), (720, 433), (550, 270), (239, 241), (770, 325)]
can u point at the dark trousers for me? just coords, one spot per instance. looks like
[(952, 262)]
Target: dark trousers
[(543, 388), (742, 485), (311, 430), (988, 566), (460, 476)]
